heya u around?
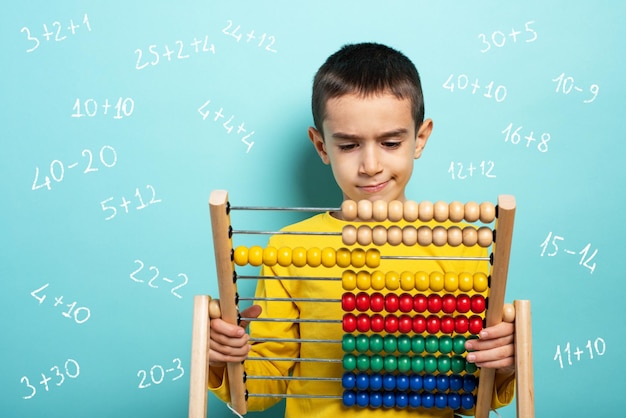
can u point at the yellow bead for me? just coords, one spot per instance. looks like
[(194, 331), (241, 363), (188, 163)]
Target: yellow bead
[(451, 282), (372, 258), (343, 257), (298, 256), (378, 280), (314, 257), (284, 256), (348, 280), (329, 258), (481, 283), (407, 280), (358, 257), (363, 280), (422, 281), (436, 281), (466, 282), (270, 256), (240, 255), (392, 280), (255, 256)]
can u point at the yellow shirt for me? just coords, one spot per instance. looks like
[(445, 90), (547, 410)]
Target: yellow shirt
[(327, 289)]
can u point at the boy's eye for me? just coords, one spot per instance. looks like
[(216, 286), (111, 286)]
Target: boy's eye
[(391, 144), (346, 147)]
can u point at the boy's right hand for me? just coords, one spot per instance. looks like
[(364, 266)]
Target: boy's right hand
[(228, 342)]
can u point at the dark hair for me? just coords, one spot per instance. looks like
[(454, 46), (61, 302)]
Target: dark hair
[(366, 69)]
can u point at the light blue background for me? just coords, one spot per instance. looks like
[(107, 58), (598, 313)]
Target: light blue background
[(572, 193)]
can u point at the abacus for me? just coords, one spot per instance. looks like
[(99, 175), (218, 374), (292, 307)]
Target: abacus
[(414, 354)]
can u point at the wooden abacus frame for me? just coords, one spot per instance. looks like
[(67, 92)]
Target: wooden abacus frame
[(205, 309)]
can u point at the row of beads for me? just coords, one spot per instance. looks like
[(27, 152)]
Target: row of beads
[(409, 382), (421, 281), (411, 211), (300, 257), (405, 364), (403, 344), (405, 323), (366, 399), (423, 235), (405, 302)]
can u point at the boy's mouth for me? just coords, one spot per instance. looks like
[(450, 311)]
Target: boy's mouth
[(374, 188)]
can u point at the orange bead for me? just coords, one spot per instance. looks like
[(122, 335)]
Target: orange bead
[(372, 258), (363, 280), (411, 211), (394, 235), (424, 235), (409, 235), (481, 283), (426, 211), (349, 210), (457, 211), (284, 256), (392, 280), (436, 281), (358, 257), (255, 256), (422, 281), (378, 280), (379, 210), (348, 280), (470, 236), (440, 211), (314, 257), (379, 235), (472, 211), (487, 212), (240, 255), (407, 280), (440, 236), (455, 236), (344, 258), (485, 236), (395, 211), (270, 256), (364, 235), (364, 210), (466, 282), (329, 257), (451, 282), (348, 235)]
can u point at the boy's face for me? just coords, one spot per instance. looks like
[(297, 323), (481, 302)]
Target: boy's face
[(370, 144)]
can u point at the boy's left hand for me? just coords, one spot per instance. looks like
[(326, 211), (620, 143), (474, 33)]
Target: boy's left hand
[(495, 348)]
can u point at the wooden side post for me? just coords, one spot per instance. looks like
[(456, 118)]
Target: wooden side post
[(524, 360), (199, 368)]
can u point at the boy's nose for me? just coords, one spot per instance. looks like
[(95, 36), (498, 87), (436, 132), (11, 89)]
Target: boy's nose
[(370, 163)]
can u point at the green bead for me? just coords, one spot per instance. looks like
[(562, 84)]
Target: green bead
[(417, 364), (443, 364), (363, 362), (348, 343), (445, 344), (391, 363), (362, 343), (390, 344), (404, 343), (457, 364), (404, 364), (376, 363), (349, 362), (432, 344), (376, 343), (417, 344), (470, 367), (430, 363), (458, 344)]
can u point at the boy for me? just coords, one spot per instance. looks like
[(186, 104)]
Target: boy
[(369, 127)]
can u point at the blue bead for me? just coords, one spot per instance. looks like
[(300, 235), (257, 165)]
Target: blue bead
[(389, 400), (415, 381), (441, 400), (454, 400), (469, 383), (443, 382), (376, 399), (456, 382), (402, 382), (428, 400), (415, 400), (402, 400), (349, 398), (362, 398), (376, 381), (389, 381), (362, 381), (430, 382), (348, 380), (467, 401)]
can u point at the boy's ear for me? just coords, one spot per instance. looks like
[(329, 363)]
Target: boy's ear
[(318, 142), (423, 133)]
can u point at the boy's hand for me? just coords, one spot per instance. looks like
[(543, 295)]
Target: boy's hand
[(228, 342), (494, 348)]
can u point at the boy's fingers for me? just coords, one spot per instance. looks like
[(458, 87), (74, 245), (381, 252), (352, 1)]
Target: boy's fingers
[(250, 312)]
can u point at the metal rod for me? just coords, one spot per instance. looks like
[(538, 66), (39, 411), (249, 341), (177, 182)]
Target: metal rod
[(292, 340), (297, 359), (292, 209), (290, 300), (297, 320)]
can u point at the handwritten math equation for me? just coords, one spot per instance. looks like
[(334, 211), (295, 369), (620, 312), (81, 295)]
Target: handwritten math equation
[(56, 32), (157, 374), (153, 278), (514, 134), (567, 354), (499, 39), (80, 314), (55, 378), (464, 171), (138, 201), (553, 245), (179, 50), (230, 125), (264, 41), (123, 107)]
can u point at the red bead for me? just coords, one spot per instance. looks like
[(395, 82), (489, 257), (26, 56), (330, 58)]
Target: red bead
[(432, 324), (419, 324), (406, 302), (377, 302), (447, 324), (349, 322), (420, 303), (461, 324), (405, 324), (362, 301), (348, 302), (448, 303), (434, 303), (475, 324), (363, 322), (377, 323), (478, 303), (463, 303), (391, 302), (391, 323)]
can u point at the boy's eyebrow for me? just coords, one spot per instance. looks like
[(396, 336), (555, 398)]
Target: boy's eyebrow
[(389, 134)]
